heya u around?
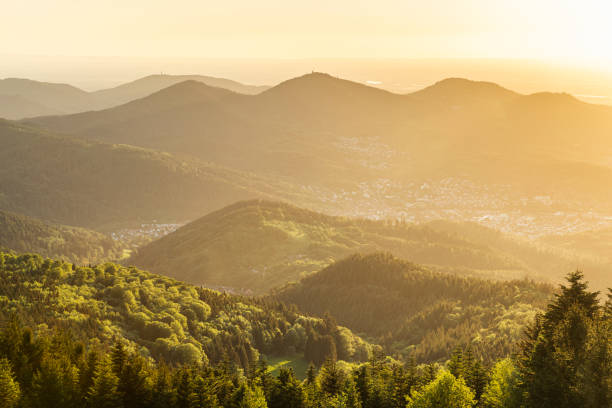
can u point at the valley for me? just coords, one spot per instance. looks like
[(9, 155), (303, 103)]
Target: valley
[(213, 241)]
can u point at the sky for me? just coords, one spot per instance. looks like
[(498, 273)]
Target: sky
[(577, 31)]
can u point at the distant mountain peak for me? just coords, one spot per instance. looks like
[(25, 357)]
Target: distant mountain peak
[(460, 88)]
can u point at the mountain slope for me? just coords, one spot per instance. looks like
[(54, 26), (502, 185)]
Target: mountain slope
[(160, 317), (82, 183), (78, 245), (16, 107), (300, 127), (56, 97), (415, 312), (23, 98), (257, 245), (150, 84)]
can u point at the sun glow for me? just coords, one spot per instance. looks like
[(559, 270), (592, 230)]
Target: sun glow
[(575, 30)]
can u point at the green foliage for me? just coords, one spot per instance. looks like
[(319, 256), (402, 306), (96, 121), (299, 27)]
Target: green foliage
[(565, 355), (444, 391), (9, 388), (104, 391), (564, 359), (248, 396), (411, 310), (160, 317), (51, 369), (78, 245), (267, 244), (502, 390)]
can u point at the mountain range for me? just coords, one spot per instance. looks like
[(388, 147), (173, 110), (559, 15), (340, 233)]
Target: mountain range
[(324, 131), (21, 98)]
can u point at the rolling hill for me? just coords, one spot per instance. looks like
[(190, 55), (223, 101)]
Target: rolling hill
[(413, 311), (150, 84), (78, 245), (258, 245), (592, 244), (48, 97), (16, 107), (102, 186), (23, 98), (322, 130)]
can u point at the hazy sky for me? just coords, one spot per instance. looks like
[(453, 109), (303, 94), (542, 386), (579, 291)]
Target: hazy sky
[(579, 30)]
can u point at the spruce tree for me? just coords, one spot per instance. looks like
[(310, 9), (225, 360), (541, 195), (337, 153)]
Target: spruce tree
[(103, 392), (9, 388), (559, 347), (331, 378)]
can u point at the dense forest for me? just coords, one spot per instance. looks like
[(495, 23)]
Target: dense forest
[(563, 361), (336, 283), (78, 245), (415, 312), (163, 318), (265, 244)]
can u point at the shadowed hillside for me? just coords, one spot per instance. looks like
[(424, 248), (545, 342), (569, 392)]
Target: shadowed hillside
[(415, 312), (25, 234), (84, 183), (258, 245)]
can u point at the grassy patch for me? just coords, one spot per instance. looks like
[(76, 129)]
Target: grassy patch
[(298, 363)]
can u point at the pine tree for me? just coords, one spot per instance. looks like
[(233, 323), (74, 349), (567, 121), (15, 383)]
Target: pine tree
[(312, 397), (162, 394), (331, 378), (103, 392), (134, 382), (87, 372), (362, 383), (555, 350), (55, 385), (286, 392), (350, 394), (9, 388), (184, 387), (456, 365), (118, 357)]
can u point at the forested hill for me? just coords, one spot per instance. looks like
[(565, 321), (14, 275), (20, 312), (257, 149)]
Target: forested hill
[(553, 368), (257, 245), (415, 312), (163, 318), (101, 186), (78, 245)]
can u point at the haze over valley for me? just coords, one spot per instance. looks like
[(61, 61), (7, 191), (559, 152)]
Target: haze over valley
[(306, 205)]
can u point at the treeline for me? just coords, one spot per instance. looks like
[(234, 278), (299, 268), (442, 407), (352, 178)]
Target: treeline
[(162, 318), (79, 245), (413, 311), (564, 361)]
